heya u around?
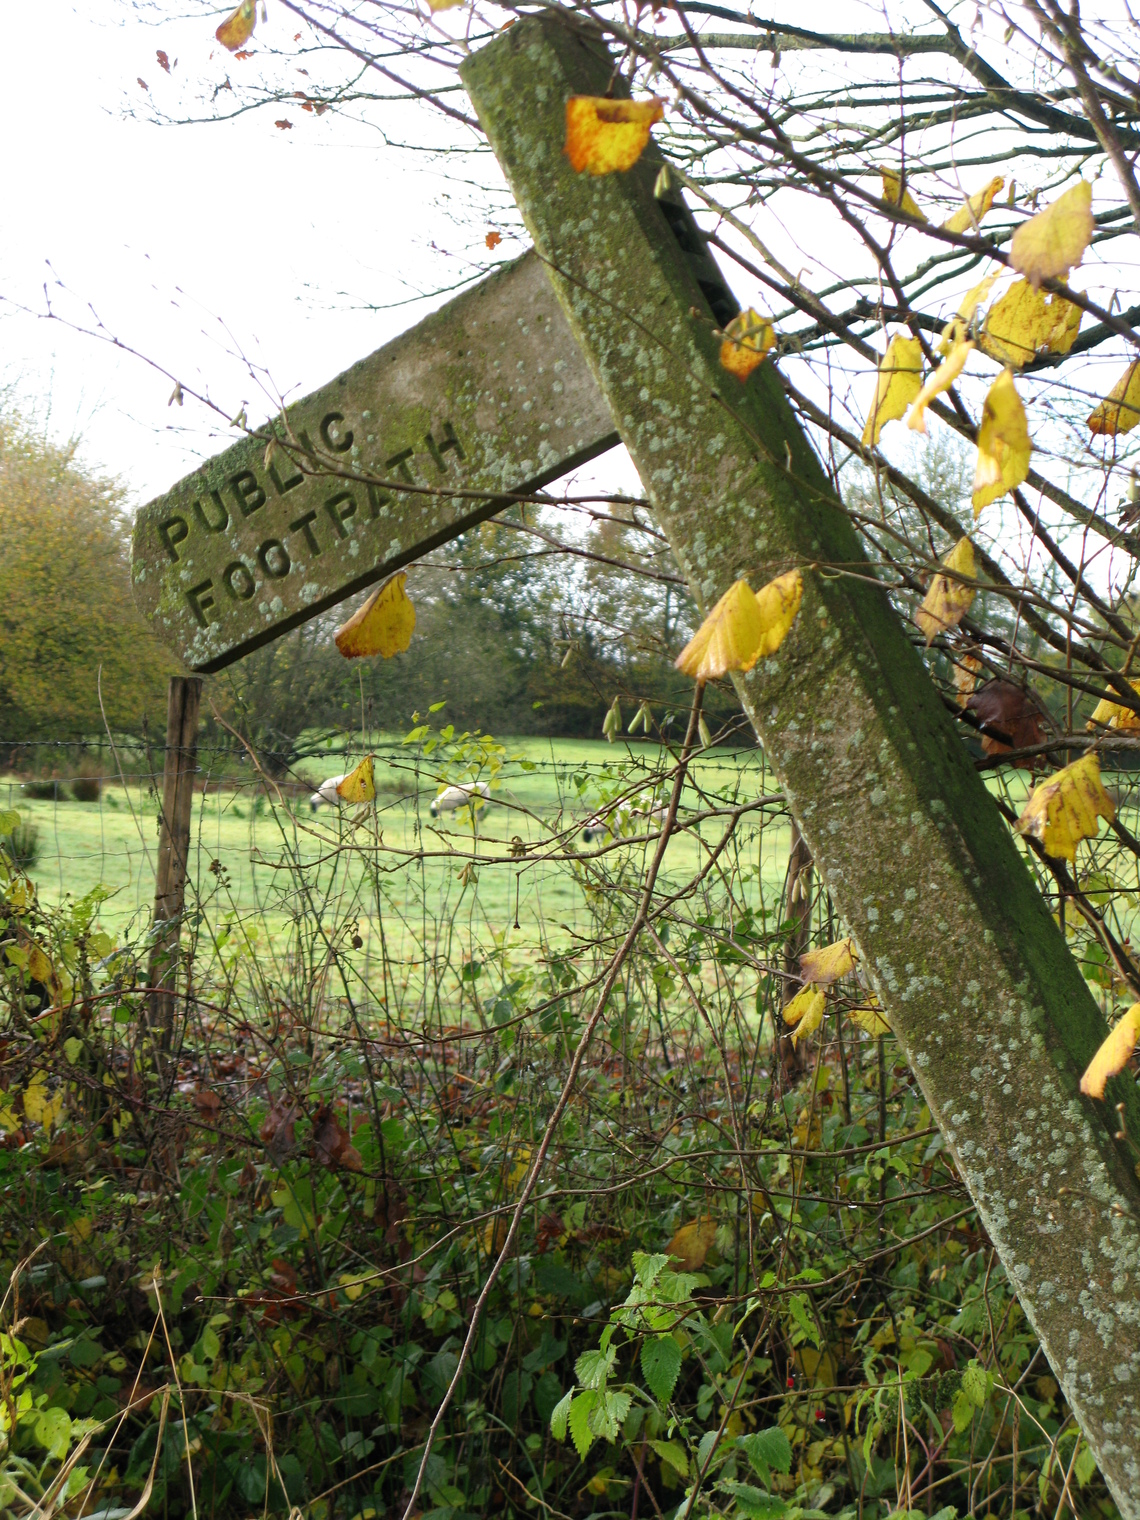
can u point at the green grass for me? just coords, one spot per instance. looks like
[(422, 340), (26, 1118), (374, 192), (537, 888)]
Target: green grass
[(267, 852)]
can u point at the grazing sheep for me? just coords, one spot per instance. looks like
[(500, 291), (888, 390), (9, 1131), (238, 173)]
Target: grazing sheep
[(453, 797), (326, 794), (626, 815)]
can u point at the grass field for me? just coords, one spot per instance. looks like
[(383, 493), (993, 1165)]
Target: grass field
[(276, 854)]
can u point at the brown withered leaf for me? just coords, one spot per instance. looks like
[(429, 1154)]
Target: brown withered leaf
[(332, 1145), (550, 1231), (1009, 719), (207, 1103), (276, 1129)]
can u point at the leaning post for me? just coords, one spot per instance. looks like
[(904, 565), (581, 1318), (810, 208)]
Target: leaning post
[(986, 1001), (179, 769)]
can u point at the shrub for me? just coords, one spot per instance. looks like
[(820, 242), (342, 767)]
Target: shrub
[(86, 788), (41, 791), (23, 845)]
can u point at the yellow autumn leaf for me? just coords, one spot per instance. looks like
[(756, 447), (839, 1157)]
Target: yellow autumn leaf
[(942, 379), (692, 1243), (957, 329), (897, 383), (967, 668), (779, 602), (1003, 443), (1110, 714), (1113, 1054), (969, 215), (747, 338), (443, 5), (1064, 809), (1054, 241), (871, 1017), (1025, 322), (359, 785), (40, 1106), (742, 627), (351, 1284), (803, 1005), (947, 601), (605, 135), (895, 195), (236, 30), (383, 625), (828, 963), (1119, 412), (805, 1012)]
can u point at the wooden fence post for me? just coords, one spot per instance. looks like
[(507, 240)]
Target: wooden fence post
[(179, 768)]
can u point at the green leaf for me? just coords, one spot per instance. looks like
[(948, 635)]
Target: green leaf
[(53, 1431), (1085, 1464), (560, 1417), (581, 1407), (73, 1049), (704, 1450), (9, 820), (607, 1415), (673, 1453), (755, 1503), (593, 1367), (962, 1411), (765, 1450), (661, 1366), (646, 1268), (975, 1384)]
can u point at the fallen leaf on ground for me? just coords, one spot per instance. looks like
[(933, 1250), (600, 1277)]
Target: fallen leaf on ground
[(383, 625), (1113, 1054), (237, 29), (747, 338), (1011, 712), (828, 963), (1109, 713), (607, 135), (1025, 322), (1004, 445), (1067, 808), (897, 384), (1119, 412), (942, 379), (1054, 241), (947, 601), (895, 195), (692, 1243), (359, 785), (969, 215)]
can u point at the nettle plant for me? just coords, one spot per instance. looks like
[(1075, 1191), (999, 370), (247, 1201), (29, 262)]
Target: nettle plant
[(661, 1319)]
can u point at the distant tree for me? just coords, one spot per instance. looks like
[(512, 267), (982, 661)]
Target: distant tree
[(65, 597)]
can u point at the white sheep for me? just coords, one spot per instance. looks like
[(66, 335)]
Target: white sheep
[(326, 793), (464, 795), (626, 815)]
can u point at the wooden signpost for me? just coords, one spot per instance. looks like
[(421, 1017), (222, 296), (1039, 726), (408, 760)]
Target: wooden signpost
[(986, 1001)]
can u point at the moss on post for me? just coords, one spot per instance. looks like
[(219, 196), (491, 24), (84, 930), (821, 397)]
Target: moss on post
[(983, 994)]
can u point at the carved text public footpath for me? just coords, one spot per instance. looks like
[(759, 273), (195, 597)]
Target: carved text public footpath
[(489, 395)]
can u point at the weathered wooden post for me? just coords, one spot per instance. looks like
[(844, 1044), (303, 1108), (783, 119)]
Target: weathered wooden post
[(179, 769), (986, 1001)]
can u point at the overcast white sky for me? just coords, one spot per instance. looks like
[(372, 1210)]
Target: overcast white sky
[(195, 243)]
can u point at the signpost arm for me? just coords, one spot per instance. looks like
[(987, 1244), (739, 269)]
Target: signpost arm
[(179, 769), (987, 1002)]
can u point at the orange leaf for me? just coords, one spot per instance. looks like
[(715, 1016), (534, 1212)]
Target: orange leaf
[(605, 135), (237, 29), (493, 239), (747, 338)]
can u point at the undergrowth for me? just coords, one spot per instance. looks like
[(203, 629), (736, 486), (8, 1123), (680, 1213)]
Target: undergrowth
[(244, 1264)]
